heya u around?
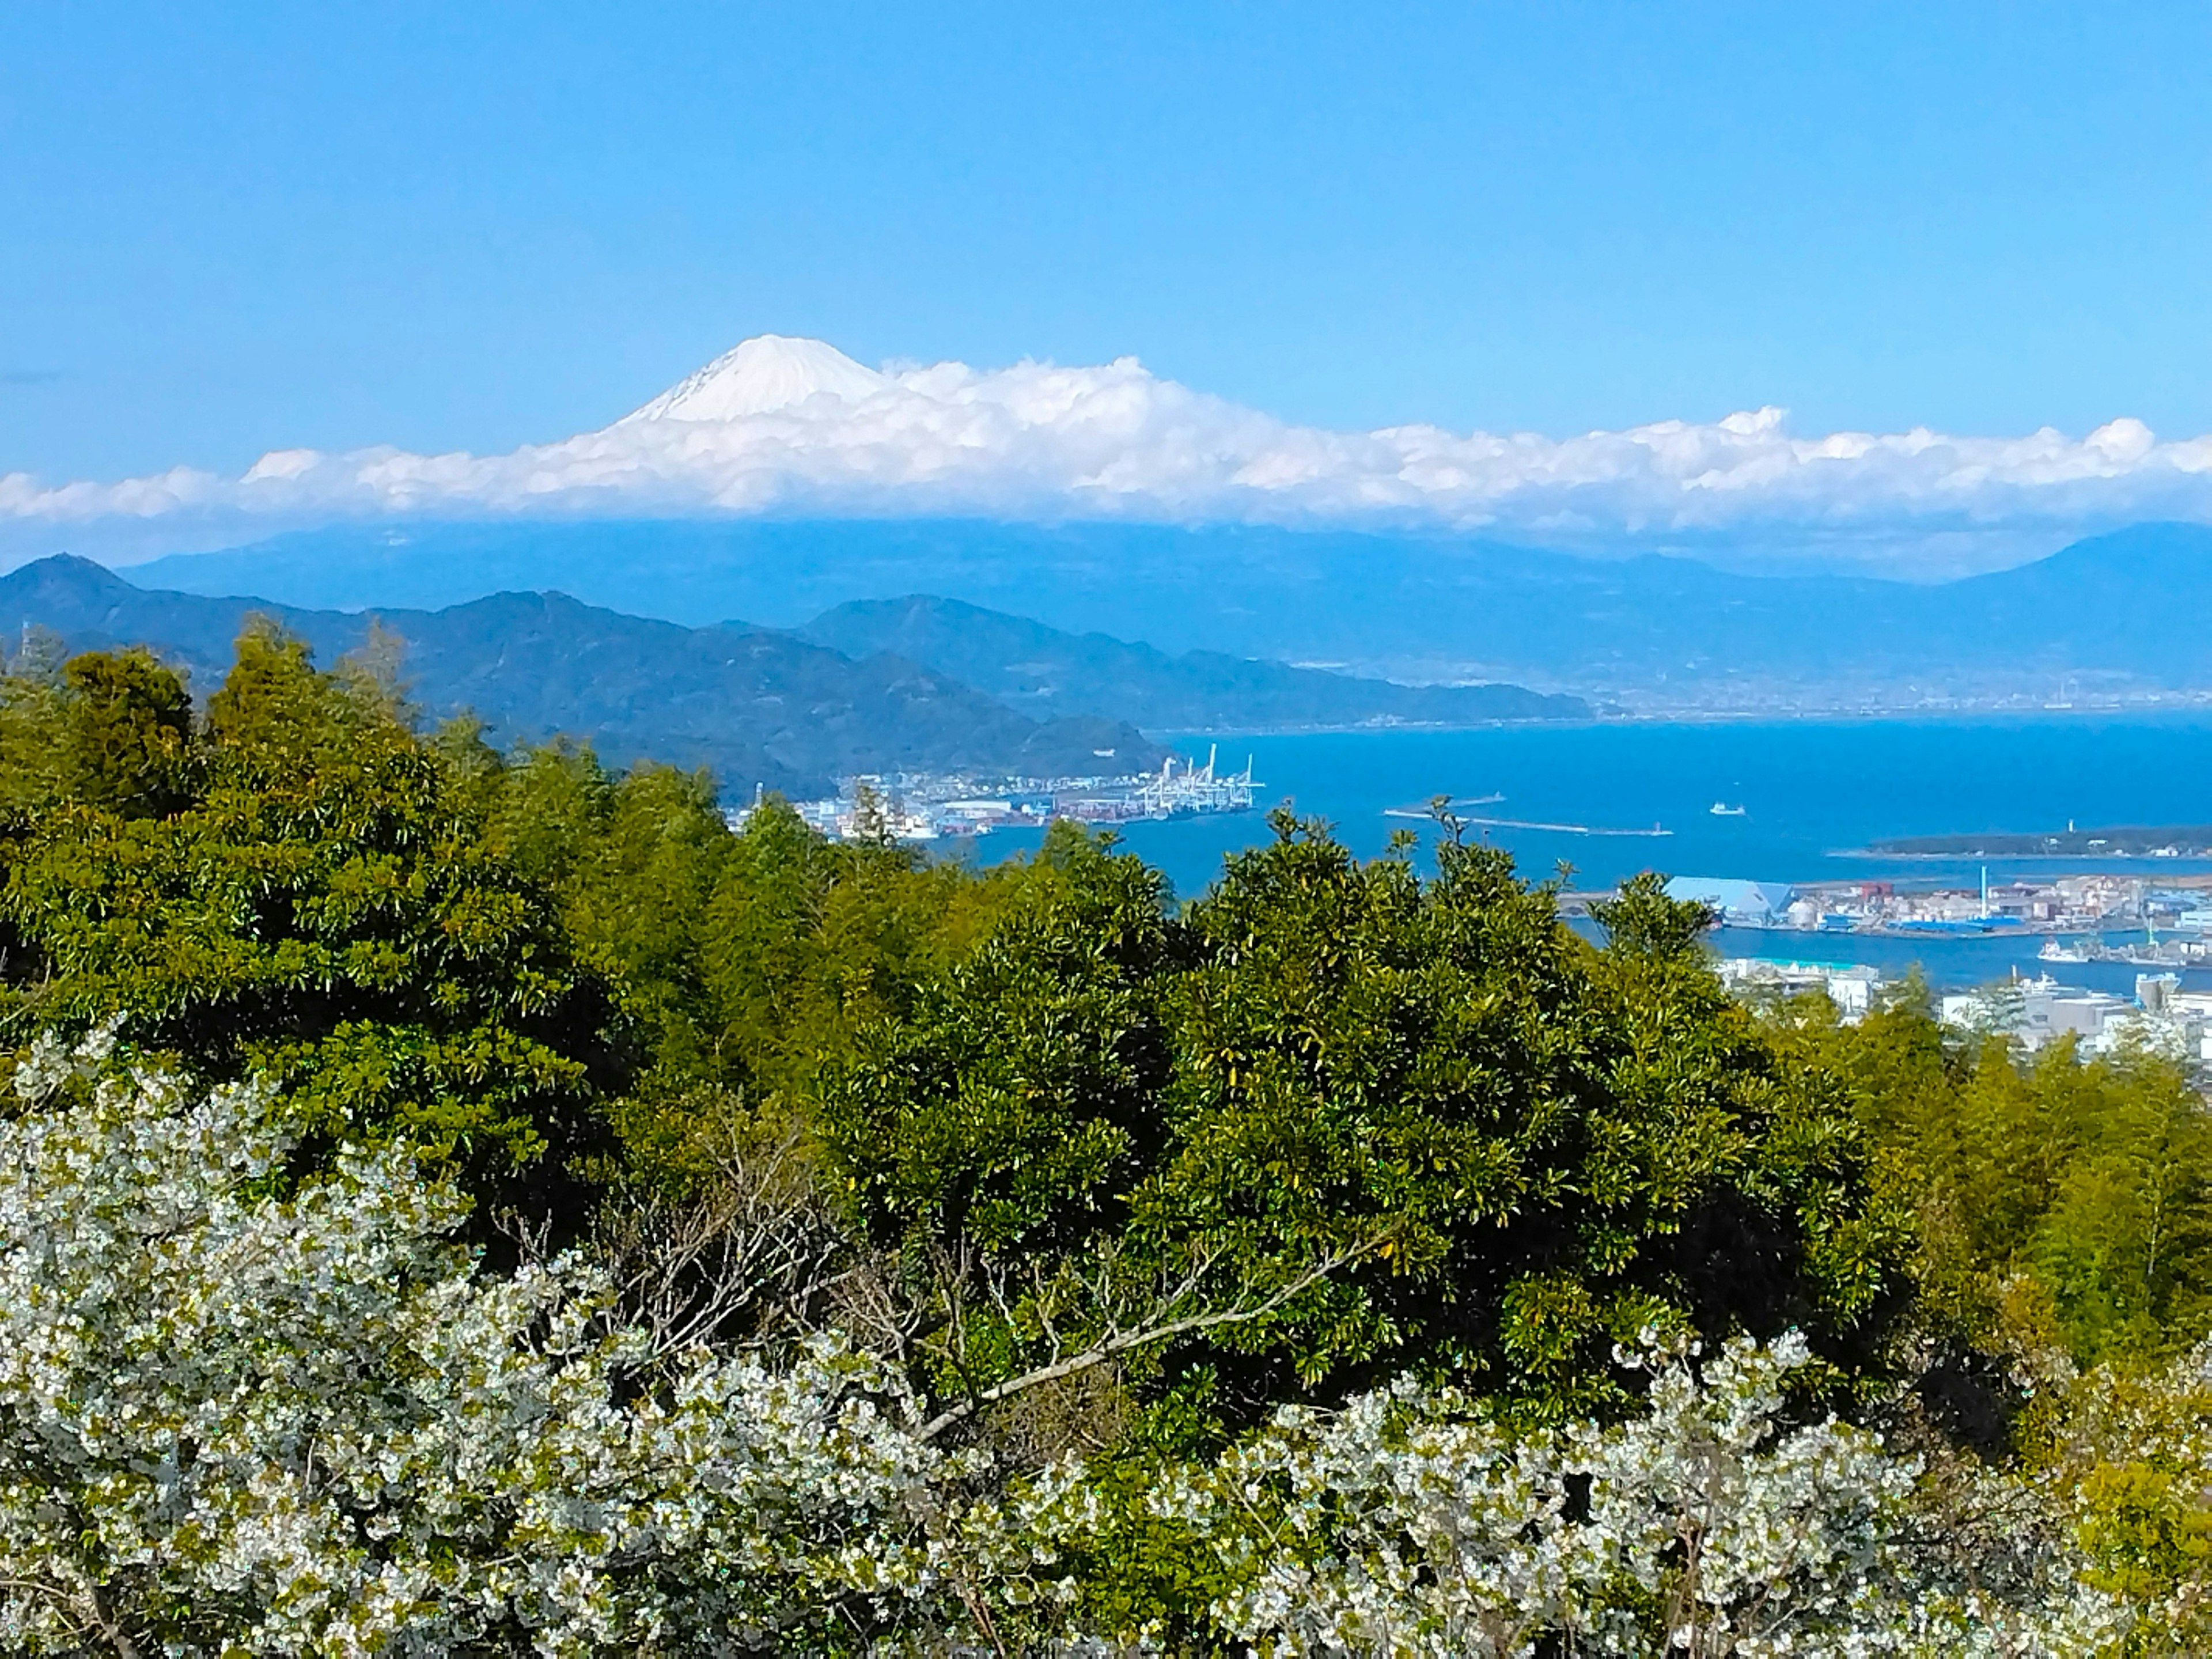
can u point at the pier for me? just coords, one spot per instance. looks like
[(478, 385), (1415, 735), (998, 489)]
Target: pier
[(1562, 828)]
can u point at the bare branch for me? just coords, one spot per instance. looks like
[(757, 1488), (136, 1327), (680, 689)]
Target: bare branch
[(752, 1251), (1120, 1341)]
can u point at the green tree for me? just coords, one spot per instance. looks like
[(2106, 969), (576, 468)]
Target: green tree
[(127, 733), (108, 729), (323, 909), (1333, 1120), (2059, 1200)]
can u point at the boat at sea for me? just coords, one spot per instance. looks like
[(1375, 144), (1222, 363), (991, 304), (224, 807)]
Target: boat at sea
[(1723, 809)]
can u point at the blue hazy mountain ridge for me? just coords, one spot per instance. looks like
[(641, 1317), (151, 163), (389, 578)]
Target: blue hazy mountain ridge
[(758, 706), (2132, 605), (1044, 672), (1426, 606)]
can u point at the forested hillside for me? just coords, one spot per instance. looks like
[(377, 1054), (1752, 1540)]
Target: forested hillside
[(761, 708), (1043, 672), (460, 1199)]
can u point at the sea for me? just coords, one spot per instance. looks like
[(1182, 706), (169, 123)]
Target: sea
[(1814, 794)]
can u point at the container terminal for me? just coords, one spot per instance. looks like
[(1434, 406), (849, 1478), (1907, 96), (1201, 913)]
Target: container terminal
[(926, 806)]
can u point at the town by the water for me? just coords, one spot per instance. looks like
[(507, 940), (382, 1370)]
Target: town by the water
[(2160, 1018), (2163, 923), (2168, 917)]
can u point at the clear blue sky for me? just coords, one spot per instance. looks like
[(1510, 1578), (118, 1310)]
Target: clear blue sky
[(228, 229)]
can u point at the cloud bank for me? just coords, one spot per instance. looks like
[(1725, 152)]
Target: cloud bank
[(793, 425)]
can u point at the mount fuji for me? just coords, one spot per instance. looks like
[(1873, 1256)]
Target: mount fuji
[(766, 374), (784, 479), (790, 428)]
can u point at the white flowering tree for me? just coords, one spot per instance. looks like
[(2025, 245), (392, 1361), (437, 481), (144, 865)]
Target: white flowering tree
[(1414, 1523), (244, 1413)]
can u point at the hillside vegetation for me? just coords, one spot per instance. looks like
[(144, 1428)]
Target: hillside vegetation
[(922, 685), (1043, 671), (759, 708), (470, 1200)]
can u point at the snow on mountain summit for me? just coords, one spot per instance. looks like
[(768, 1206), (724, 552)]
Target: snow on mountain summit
[(765, 373), (795, 426)]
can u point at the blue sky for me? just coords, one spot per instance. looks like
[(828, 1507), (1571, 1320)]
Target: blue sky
[(236, 229)]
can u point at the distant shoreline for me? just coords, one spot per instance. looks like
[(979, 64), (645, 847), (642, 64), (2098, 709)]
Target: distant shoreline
[(2123, 840), (2192, 875), (2199, 712)]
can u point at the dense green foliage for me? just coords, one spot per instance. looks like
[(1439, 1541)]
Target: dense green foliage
[(1520, 1152), (297, 886), (2061, 1201), (1423, 1120), (1091, 1169), (744, 959)]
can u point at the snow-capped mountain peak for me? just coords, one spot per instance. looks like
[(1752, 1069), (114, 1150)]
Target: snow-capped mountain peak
[(767, 373)]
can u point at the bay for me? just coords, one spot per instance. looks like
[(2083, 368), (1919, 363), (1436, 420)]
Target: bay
[(1815, 794)]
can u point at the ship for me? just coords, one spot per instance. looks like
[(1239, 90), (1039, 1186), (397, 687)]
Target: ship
[(1723, 809)]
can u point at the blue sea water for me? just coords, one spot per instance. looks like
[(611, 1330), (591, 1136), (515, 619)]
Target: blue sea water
[(1815, 792)]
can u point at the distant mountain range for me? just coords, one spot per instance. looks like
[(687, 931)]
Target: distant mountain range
[(764, 706), (1044, 672), (758, 706), (2118, 612)]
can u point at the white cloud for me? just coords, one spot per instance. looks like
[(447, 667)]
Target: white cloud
[(794, 425)]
